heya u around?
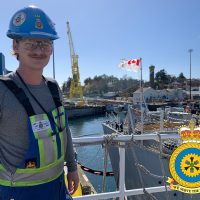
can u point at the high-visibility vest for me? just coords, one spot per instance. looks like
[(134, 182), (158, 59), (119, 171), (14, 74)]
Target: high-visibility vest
[(44, 158)]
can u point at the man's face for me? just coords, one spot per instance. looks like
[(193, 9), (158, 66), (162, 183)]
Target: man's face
[(34, 53)]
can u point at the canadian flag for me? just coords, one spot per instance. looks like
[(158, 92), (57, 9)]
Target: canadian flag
[(130, 65)]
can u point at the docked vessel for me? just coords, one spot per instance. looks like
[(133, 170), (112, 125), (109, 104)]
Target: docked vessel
[(147, 162)]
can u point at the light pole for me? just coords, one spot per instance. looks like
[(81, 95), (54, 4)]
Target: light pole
[(53, 64), (190, 52)]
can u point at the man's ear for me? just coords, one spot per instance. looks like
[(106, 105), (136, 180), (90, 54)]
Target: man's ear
[(15, 46)]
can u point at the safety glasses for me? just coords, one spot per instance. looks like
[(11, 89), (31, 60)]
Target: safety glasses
[(32, 45)]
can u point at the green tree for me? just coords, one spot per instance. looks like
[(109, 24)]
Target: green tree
[(181, 78), (66, 86), (162, 79), (103, 84), (87, 81)]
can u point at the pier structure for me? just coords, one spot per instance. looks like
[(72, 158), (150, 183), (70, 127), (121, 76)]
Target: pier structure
[(92, 106)]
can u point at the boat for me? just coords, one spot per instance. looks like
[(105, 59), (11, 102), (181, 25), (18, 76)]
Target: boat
[(147, 162)]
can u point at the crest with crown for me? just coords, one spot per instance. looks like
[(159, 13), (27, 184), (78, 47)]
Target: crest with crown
[(190, 133)]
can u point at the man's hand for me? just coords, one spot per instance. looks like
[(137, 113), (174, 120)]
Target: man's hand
[(73, 180)]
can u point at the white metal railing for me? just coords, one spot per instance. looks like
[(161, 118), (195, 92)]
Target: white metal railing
[(122, 193)]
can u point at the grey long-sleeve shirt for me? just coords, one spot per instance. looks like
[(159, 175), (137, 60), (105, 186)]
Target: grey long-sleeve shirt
[(14, 127)]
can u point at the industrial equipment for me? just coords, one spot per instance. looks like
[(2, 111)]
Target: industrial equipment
[(75, 87)]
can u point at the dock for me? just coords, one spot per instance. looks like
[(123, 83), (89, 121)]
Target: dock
[(86, 186), (83, 111)]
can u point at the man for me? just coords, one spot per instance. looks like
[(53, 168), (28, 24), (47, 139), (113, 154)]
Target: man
[(34, 136)]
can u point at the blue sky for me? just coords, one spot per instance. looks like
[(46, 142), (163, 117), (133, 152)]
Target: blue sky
[(104, 31)]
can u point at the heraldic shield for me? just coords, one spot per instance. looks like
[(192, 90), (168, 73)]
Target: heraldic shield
[(184, 164)]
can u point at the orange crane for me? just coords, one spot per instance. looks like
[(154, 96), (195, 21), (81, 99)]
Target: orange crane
[(75, 87)]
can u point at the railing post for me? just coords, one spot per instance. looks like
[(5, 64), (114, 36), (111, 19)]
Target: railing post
[(122, 172), (105, 167), (161, 120)]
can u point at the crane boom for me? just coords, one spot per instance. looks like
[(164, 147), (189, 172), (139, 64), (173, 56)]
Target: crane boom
[(71, 45), (75, 87)]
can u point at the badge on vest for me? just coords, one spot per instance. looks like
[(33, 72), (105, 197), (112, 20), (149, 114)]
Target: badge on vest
[(31, 163), (41, 125)]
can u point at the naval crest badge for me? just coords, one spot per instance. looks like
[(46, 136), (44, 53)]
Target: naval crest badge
[(184, 164), (19, 18), (38, 24)]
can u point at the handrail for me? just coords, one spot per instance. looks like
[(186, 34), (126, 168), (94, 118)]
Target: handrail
[(133, 192), (125, 138)]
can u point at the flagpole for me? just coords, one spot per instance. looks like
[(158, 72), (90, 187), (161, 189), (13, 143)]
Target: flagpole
[(141, 98), (141, 86)]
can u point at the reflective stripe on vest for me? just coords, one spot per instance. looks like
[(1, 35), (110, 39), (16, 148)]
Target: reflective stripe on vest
[(49, 141), (30, 177)]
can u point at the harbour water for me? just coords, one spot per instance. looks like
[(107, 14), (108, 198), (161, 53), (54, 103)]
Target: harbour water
[(92, 156)]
